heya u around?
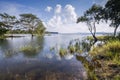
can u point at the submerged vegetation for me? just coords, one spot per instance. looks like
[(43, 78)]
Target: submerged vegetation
[(102, 61), (29, 50), (62, 52), (100, 55)]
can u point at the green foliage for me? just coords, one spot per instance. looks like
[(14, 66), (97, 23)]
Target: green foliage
[(29, 50), (30, 22), (108, 54), (62, 52), (82, 19), (40, 29), (117, 77), (72, 49), (94, 13), (33, 23), (91, 17), (104, 38), (90, 68), (9, 53), (113, 46), (109, 51), (113, 13), (28, 18), (3, 31), (8, 20)]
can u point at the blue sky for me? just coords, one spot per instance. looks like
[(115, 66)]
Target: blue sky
[(57, 15), (40, 5)]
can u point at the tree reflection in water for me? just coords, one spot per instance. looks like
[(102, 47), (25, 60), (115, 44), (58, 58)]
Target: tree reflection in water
[(30, 48), (34, 47)]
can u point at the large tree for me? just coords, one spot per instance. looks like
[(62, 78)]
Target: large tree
[(40, 29), (30, 21), (8, 20), (3, 30), (91, 17), (112, 8)]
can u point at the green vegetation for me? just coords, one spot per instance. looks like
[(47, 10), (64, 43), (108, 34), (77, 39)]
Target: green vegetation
[(91, 17), (88, 66), (40, 30), (30, 51), (112, 12), (109, 55), (62, 52), (102, 38), (27, 24), (72, 49), (104, 62), (10, 53), (2, 30), (32, 22)]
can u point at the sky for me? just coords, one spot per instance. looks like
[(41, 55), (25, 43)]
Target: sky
[(57, 15)]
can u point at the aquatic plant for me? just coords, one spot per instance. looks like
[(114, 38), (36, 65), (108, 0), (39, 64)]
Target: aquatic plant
[(52, 48), (89, 67), (62, 52), (72, 49), (29, 50), (10, 53)]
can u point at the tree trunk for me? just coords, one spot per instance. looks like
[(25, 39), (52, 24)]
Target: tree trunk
[(95, 39), (115, 30), (32, 35)]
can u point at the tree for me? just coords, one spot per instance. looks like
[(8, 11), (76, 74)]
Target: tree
[(91, 17), (40, 29), (112, 9), (8, 20), (30, 21), (2, 29)]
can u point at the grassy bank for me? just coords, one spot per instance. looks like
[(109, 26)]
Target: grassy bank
[(104, 63), (108, 55)]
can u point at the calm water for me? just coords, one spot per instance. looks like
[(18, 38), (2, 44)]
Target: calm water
[(45, 64)]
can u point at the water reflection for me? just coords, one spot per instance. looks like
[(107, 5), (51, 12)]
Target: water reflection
[(36, 61), (34, 47)]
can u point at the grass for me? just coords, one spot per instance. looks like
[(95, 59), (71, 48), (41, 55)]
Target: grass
[(111, 47), (2, 37), (109, 55), (29, 50), (10, 53), (105, 58), (72, 49), (102, 38), (62, 52)]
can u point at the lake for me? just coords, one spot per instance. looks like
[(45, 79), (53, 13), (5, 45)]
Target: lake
[(45, 63)]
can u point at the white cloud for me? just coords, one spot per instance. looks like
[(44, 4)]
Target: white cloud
[(55, 21), (70, 14), (62, 16), (64, 21), (58, 9), (48, 8)]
